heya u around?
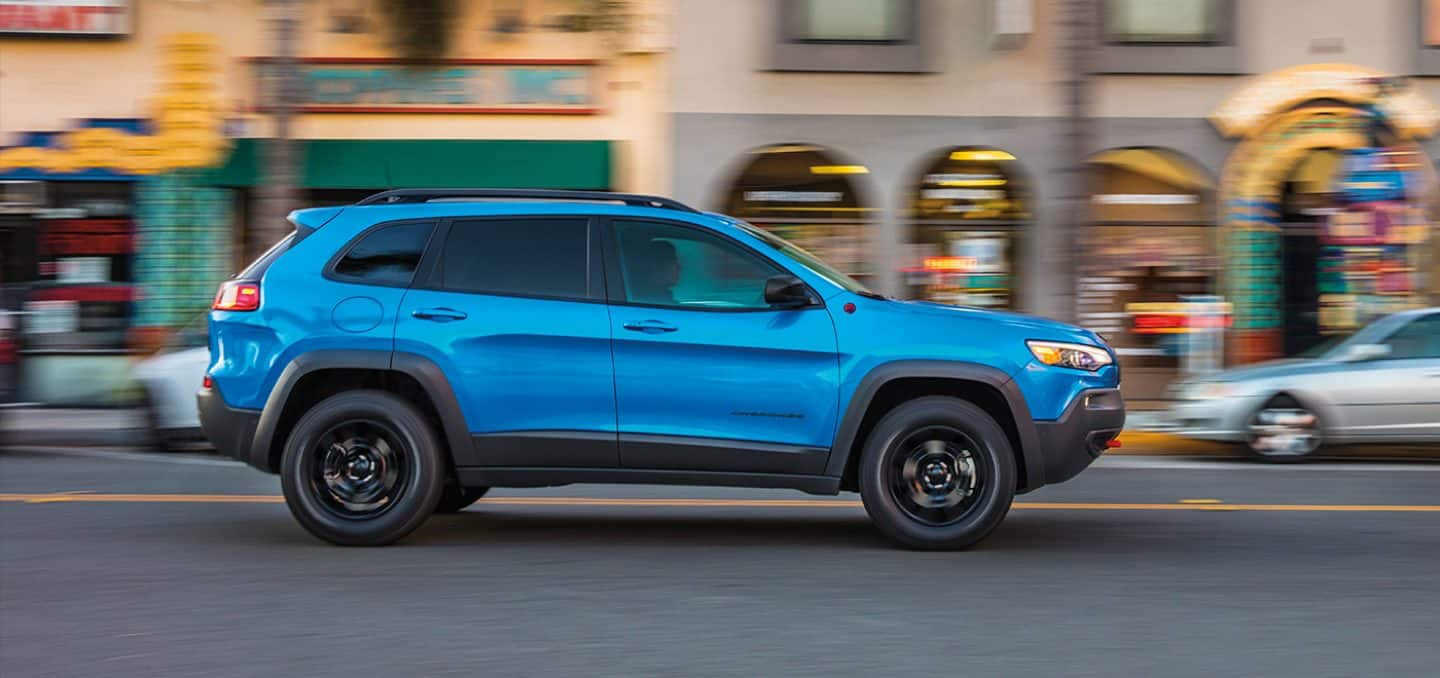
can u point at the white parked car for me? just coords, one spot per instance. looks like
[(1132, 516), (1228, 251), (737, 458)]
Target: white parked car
[(169, 379)]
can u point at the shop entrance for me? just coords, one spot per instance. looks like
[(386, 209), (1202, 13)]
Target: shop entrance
[(1326, 199)]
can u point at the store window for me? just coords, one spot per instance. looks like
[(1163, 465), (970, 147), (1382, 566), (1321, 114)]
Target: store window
[(1183, 37), (1150, 264), (855, 20), (1163, 21), (1430, 21), (856, 36), (809, 196), (967, 218)]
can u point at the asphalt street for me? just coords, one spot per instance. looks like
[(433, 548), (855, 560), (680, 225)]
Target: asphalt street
[(132, 564)]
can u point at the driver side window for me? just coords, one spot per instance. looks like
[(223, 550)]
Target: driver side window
[(1419, 339), (669, 265)]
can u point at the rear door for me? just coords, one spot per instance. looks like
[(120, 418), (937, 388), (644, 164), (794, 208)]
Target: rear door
[(512, 310), (707, 375)]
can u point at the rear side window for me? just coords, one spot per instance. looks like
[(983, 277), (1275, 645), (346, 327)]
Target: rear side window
[(386, 256), (523, 257)]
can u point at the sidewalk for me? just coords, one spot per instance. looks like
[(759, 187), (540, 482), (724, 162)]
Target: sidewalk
[(62, 427)]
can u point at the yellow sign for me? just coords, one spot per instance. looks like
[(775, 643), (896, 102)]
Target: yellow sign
[(1409, 112), (187, 126)]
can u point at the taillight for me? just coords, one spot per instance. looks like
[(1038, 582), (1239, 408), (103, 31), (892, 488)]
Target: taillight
[(208, 381), (237, 295)]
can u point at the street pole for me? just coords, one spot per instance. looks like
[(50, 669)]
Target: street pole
[(1077, 49), (277, 194)]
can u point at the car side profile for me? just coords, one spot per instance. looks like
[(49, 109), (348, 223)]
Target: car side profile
[(1378, 386), (402, 355)]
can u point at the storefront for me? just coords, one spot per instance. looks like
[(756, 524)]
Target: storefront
[(1327, 205), (120, 241), (1149, 275), (809, 196), (968, 213)]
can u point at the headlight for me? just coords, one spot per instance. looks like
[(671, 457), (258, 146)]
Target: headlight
[(1075, 356)]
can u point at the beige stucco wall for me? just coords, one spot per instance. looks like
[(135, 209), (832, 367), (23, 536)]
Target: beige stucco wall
[(45, 83), (722, 47)]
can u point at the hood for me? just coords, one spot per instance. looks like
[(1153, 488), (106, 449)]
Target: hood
[(1034, 327)]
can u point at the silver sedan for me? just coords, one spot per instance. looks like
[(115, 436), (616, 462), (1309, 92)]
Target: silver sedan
[(1380, 385)]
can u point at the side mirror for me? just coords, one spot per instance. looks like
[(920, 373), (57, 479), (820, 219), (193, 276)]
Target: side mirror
[(787, 291), (1360, 353)]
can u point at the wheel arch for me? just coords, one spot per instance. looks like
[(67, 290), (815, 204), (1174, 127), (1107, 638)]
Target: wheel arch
[(999, 394), (278, 416)]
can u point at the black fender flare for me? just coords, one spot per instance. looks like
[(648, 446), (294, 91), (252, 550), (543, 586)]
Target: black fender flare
[(940, 369), (421, 369)]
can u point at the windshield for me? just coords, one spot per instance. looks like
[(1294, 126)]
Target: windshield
[(805, 259)]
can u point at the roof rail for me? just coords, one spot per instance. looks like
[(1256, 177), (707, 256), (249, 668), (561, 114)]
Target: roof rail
[(418, 195)]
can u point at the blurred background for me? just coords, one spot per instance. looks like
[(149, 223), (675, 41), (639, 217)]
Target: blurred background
[(1207, 183)]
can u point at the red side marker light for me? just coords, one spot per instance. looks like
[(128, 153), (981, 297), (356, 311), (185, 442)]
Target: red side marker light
[(849, 307), (208, 382), (1112, 443), (236, 295)]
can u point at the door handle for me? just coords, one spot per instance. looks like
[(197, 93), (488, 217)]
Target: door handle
[(441, 315), (650, 327)]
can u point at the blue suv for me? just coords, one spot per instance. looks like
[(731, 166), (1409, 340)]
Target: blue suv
[(401, 356)]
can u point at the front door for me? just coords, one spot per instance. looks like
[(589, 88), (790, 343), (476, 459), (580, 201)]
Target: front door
[(1397, 397), (707, 375), (514, 313)]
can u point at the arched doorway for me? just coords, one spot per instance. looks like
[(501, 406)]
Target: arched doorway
[(967, 214), (1325, 205), (1149, 274), (808, 195)]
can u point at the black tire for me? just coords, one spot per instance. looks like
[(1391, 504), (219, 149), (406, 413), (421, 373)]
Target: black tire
[(1284, 431), (327, 456), (908, 442), (455, 498)]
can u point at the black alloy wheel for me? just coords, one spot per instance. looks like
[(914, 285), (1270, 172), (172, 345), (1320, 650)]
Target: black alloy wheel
[(362, 468), (937, 473)]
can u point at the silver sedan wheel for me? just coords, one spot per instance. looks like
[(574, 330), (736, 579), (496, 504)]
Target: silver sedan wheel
[(1284, 430)]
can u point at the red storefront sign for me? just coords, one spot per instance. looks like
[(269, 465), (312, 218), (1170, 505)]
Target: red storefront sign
[(86, 237), (99, 18)]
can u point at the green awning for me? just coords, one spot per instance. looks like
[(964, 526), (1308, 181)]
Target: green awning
[(433, 163)]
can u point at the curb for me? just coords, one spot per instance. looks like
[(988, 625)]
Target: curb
[(1158, 443)]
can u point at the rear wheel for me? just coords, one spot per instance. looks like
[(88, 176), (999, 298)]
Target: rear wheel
[(1283, 430), (937, 473), (362, 468)]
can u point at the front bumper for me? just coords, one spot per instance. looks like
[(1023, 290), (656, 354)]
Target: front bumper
[(231, 430), (1079, 435)]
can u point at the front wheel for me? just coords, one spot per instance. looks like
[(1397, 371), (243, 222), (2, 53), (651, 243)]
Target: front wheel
[(362, 468), (937, 473)]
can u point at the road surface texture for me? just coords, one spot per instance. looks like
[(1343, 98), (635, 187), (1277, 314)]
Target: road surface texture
[(188, 566)]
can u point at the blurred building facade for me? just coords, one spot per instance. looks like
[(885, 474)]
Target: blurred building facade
[(130, 131), (1260, 173), (1256, 166)]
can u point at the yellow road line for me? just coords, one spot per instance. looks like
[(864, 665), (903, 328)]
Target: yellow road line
[(1182, 505)]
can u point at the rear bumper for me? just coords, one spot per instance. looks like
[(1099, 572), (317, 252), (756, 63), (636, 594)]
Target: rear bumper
[(1078, 437), (231, 430)]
